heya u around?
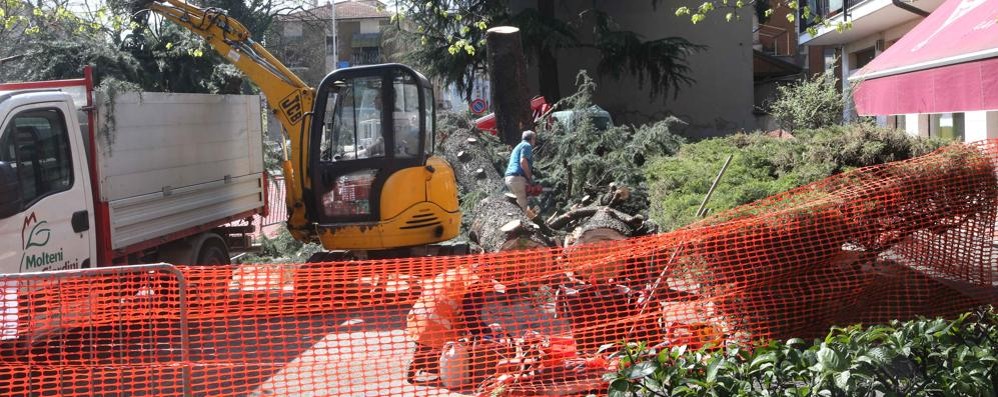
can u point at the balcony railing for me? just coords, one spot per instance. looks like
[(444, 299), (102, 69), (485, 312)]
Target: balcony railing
[(820, 10), (775, 40), (367, 56)]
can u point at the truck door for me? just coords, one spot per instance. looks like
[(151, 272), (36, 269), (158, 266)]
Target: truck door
[(41, 157)]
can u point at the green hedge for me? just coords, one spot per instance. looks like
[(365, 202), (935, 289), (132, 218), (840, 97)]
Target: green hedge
[(925, 357), (765, 165)]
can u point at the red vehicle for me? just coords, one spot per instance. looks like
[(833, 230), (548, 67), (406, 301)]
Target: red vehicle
[(538, 106)]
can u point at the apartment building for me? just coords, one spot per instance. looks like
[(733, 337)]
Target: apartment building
[(924, 66)]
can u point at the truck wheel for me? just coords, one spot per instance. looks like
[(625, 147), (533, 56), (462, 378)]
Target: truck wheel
[(210, 283), (213, 252)]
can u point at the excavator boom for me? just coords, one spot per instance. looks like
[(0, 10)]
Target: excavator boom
[(288, 96)]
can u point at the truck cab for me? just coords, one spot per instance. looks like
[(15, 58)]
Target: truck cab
[(92, 180), (46, 205)]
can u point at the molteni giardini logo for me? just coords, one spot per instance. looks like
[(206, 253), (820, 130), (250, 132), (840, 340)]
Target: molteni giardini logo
[(35, 233)]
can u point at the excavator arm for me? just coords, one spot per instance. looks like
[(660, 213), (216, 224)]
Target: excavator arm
[(288, 96)]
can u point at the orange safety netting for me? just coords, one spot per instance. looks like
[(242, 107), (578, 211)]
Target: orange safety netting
[(880, 243)]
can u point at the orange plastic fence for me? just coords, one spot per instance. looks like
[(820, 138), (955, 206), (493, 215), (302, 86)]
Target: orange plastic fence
[(887, 242)]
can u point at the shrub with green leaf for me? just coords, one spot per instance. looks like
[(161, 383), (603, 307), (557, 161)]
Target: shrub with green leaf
[(764, 165), (924, 357), (809, 103)]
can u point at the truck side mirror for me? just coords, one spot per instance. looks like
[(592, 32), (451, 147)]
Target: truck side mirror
[(10, 190)]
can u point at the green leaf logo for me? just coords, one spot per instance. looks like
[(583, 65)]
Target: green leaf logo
[(36, 235)]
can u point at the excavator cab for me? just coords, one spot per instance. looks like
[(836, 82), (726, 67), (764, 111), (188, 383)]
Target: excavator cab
[(375, 183)]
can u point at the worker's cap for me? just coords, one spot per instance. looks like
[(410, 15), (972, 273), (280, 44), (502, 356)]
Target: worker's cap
[(528, 134)]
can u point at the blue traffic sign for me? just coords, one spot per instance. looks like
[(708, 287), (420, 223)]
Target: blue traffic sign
[(478, 106)]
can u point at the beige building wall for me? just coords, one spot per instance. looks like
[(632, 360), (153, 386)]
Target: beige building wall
[(889, 36), (719, 102), (370, 26)]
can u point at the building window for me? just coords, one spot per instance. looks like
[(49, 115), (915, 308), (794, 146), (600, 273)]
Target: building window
[(949, 126), (829, 58), (897, 122), (820, 10), (863, 57), (370, 26)]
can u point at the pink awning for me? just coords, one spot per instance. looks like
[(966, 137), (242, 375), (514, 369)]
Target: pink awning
[(948, 63)]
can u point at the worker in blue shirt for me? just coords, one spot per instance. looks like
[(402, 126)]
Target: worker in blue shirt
[(519, 172)]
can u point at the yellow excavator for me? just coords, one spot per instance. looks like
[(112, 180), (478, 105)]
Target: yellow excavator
[(361, 174)]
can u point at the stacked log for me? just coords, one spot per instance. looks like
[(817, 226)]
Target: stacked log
[(468, 152), (606, 224), (595, 219)]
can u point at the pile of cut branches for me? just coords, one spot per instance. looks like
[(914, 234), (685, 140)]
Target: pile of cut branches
[(592, 177)]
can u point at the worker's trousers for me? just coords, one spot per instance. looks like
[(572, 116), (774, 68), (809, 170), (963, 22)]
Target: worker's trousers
[(518, 186)]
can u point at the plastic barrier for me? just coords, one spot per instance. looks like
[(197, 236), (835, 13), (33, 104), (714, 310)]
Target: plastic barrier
[(887, 242), (278, 210)]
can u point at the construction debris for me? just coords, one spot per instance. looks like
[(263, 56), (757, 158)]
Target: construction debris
[(496, 223)]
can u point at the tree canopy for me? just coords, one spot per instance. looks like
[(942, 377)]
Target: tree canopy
[(764, 9), (447, 39), (124, 41)]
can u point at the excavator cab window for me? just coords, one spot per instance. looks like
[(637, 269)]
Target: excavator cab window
[(352, 122), (370, 122)]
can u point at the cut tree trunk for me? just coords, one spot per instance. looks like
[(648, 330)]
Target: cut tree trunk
[(594, 220), (508, 76), (606, 224), (468, 154), (595, 225), (547, 62), (498, 224), (601, 209)]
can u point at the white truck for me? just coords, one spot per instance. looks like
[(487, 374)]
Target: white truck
[(89, 181)]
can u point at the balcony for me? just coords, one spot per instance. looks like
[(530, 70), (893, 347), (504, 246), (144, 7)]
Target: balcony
[(826, 9), (868, 17)]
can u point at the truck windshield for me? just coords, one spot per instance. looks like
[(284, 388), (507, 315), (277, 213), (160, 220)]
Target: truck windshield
[(36, 144)]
